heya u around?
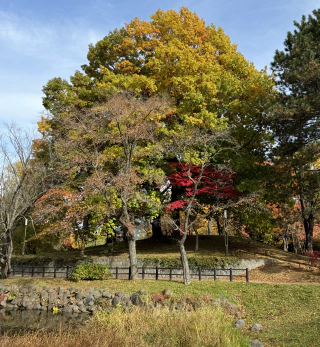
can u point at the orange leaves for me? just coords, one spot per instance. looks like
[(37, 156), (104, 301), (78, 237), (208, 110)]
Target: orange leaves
[(44, 125)]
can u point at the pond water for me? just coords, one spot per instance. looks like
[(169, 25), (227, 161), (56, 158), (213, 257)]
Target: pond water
[(30, 320)]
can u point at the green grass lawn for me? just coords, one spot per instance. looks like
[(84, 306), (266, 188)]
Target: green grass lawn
[(289, 314)]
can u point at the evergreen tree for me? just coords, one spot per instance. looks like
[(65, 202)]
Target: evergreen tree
[(296, 117)]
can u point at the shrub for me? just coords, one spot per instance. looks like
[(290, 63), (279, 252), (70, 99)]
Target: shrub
[(90, 271)]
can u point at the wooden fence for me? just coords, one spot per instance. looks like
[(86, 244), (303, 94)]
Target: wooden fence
[(149, 272)]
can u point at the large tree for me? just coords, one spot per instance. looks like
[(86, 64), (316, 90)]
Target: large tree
[(296, 118), (23, 179), (110, 154), (212, 84)]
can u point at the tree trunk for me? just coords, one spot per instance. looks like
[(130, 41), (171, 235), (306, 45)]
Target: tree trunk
[(7, 248), (308, 224), (82, 248), (133, 259), (197, 242), (285, 240), (184, 260), (210, 221)]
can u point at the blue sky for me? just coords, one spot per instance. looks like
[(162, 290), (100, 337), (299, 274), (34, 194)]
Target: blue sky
[(42, 39)]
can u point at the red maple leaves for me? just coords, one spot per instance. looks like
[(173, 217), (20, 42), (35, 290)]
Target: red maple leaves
[(213, 182)]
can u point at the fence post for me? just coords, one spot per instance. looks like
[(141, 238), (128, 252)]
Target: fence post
[(43, 271), (32, 271), (214, 274), (54, 272), (199, 269), (143, 272), (22, 270), (157, 272), (13, 267), (247, 275), (117, 272), (231, 274), (170, 274), (129, 273)]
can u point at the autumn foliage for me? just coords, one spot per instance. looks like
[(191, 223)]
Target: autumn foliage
[(217, 184)]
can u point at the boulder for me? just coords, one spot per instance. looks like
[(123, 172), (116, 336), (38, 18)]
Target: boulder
[(256, 327), (256, 343), (240, 323)]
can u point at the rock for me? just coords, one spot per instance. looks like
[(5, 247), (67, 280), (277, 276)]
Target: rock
[(256, 343), (32, 288), (107, 295), (240, 323), (119, 294), (116, 301), (88, 299), (80, 303), (26, 302), (67, 309), (32, 297), (125, 298), (66, 297), (142, 291), (82, 308), (44, 295), (80, 296), (10, 307), (61, 291), (136, 300), (15, 301), (75, 309), (256, 327), (96, 294)]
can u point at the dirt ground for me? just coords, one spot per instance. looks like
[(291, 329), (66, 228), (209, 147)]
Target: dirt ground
[(283, 272)]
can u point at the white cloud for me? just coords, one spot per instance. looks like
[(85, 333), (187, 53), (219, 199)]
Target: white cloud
[(52, 41), (23, 34)]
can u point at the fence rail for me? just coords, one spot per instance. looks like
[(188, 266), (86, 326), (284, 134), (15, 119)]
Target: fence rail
[(144, 272)]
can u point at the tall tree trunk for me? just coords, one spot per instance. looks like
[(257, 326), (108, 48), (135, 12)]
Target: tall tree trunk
[(128, 225), (7, 248), (183, 254), (210, 221), (196, 249), (133, 259), (308, 224), (184, 260), (285, 237)]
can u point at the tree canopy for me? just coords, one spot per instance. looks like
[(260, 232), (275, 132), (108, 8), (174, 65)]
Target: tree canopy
[(296, 118)]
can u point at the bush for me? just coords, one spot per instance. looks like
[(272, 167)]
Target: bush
[(90, 271)]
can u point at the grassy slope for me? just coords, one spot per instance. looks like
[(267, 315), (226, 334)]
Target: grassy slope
[(208, 246)]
